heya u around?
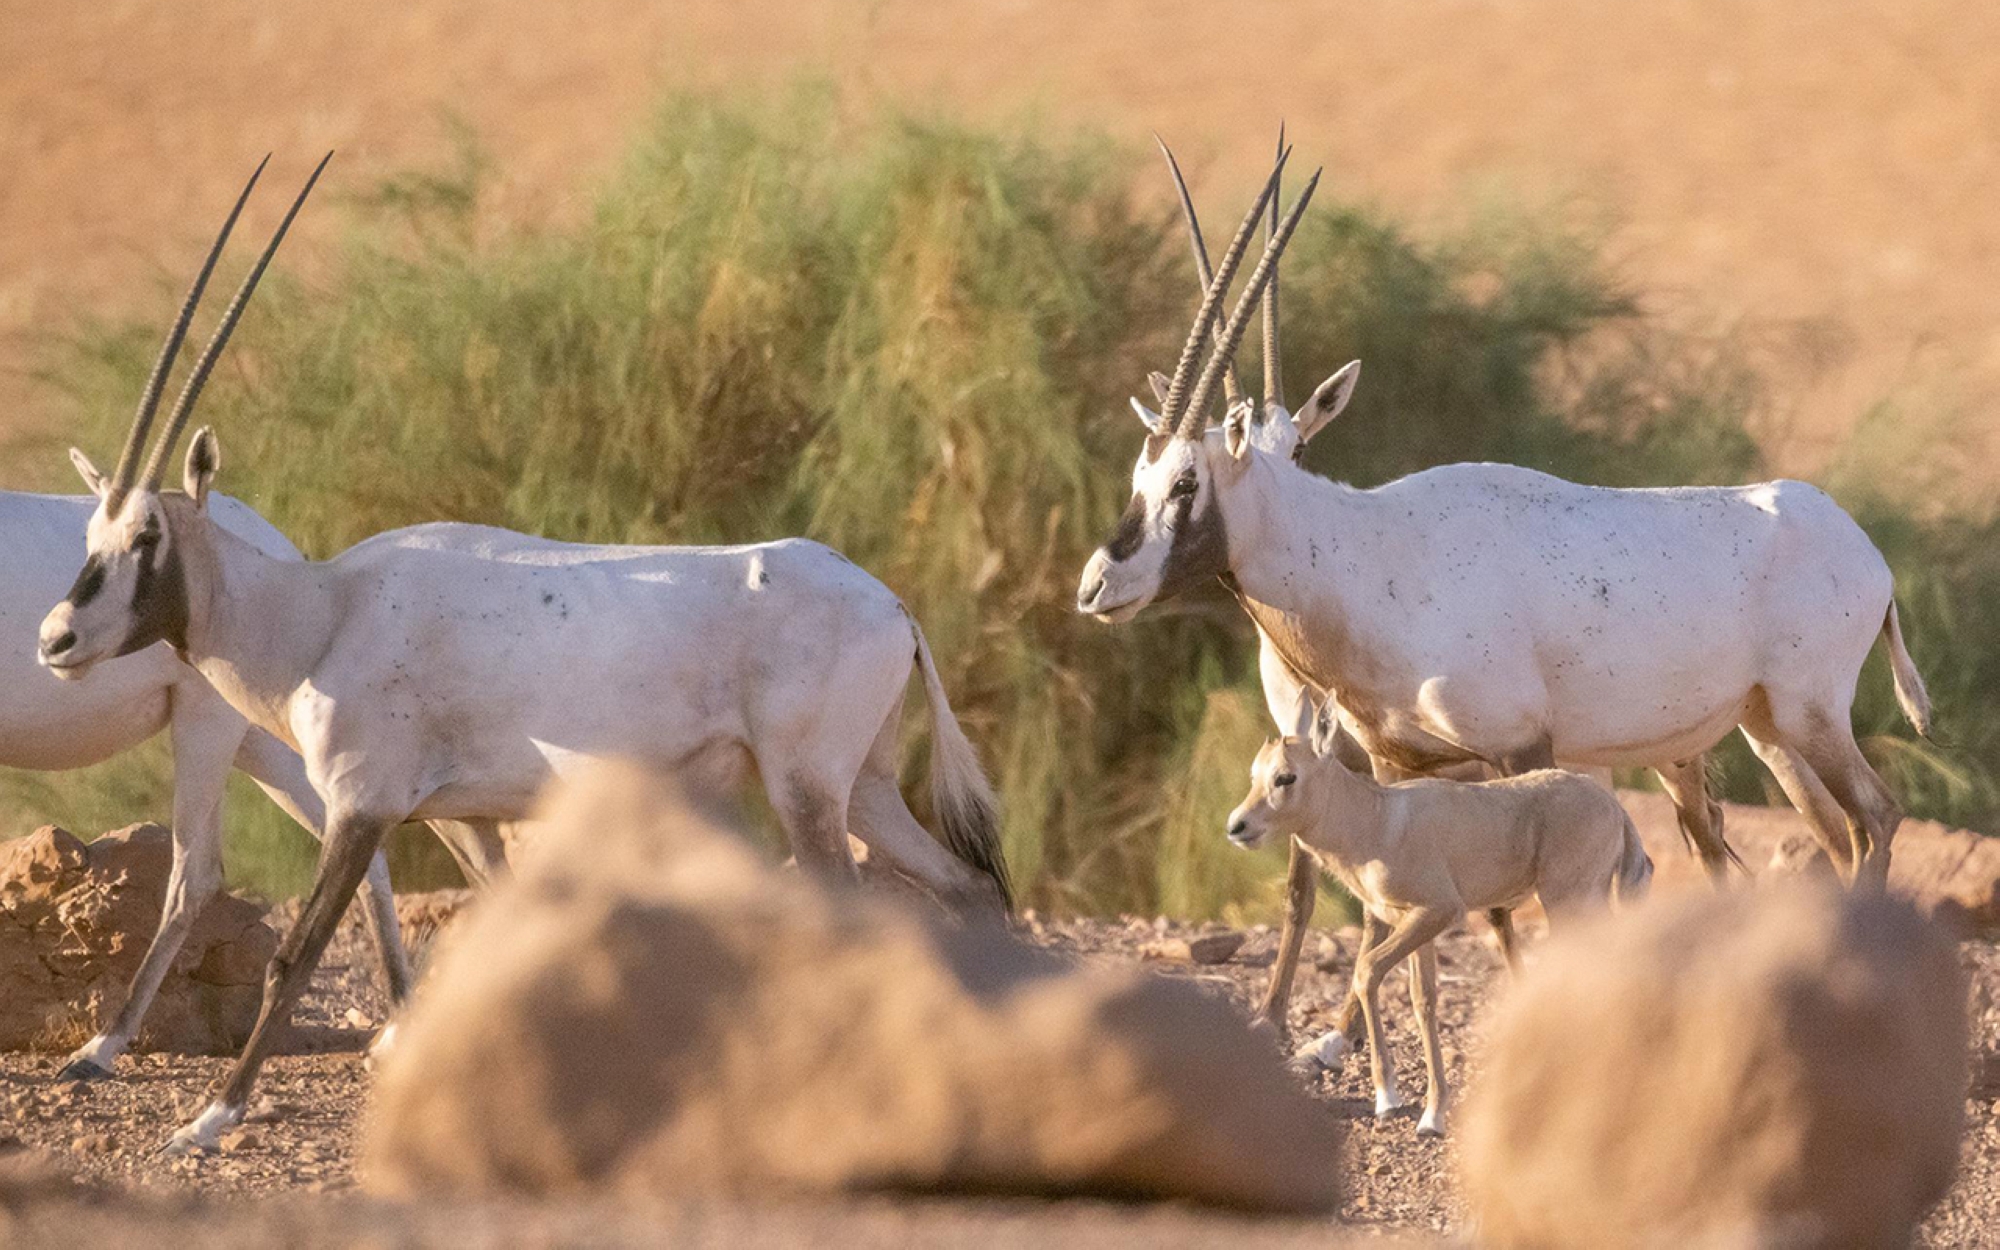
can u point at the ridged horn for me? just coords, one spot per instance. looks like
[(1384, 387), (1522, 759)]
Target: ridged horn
[(1274, 383), (1232, 388), (1239, 320), (156, 465), (1175, 410), (149, 399)]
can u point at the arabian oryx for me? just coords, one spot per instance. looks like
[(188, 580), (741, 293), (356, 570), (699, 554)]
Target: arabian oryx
[(48, 725), (1489, 613), (1418, 854), (449, 671)]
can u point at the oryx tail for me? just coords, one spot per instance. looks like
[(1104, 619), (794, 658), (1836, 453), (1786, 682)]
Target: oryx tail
[(1910, 693), (960, 793)]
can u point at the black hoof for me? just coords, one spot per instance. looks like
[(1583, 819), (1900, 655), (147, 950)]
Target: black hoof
[(83, 1070)]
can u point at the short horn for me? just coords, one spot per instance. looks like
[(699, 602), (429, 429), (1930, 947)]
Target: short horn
[(1174, 412), (1232, 389), (149, 399), (1274, 382), (198, 377), (1239, 320)]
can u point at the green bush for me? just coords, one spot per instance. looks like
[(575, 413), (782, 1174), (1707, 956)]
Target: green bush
[(912, 340)]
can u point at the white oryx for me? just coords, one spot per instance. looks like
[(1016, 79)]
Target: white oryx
[(449, 671), (1489, 613), (50, 726)]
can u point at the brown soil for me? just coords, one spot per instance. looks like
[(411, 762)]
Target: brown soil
[(302, 1147), (1816, 174)]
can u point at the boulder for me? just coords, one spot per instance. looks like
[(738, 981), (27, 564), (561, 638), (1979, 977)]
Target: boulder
[(647, 1008), (1780, 1066), (75, 921)]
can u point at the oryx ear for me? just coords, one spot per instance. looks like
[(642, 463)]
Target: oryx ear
[(1304, 716), (204, 457), (1236, 430), (1160, 386), (88, 471), (1155, 424), (1327, 401), (1326, 731)]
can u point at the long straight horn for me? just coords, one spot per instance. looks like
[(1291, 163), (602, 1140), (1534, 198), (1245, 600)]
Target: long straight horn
[(198, 377), (1274, 382), (1239, 320), (149, 399), (1232, 389), (1173, 411)]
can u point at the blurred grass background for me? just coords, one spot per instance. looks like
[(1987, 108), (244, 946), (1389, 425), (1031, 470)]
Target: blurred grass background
[(913, 340)]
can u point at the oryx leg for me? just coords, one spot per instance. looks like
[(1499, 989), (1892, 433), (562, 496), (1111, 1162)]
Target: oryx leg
[(478, 847), (1423, 1003), (878, 815), (1812, 799), (1700, 816), (281, 774), (1301, 892), (1502, 920), (351, 841), (1824, 740), (1415, 929), (206, 735)]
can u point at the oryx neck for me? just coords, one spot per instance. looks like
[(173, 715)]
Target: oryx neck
[(256, 624)]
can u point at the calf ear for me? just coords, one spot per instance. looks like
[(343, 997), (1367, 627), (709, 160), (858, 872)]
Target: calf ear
[(1327, 401), (1304, 716), (1326, 731), (88, 471), (204, 457)]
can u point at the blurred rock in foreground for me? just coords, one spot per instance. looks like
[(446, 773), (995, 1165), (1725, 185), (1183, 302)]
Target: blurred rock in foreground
[(648, 1009), (1780, 1066), (75, 921)]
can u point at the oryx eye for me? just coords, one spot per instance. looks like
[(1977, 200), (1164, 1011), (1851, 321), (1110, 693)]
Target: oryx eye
[(1183, 487), (1284, 779), (147, 538)]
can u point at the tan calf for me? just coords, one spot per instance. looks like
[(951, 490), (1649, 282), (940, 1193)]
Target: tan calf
[(1420, 854)]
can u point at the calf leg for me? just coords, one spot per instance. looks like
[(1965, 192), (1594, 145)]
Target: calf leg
[(1502, 920), (1423, 1002), (1416, 928), (351, 841), (205, 737), (1301, 892)]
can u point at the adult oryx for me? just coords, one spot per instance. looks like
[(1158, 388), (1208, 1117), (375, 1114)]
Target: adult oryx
[(50, 725), (1480, 612), (46, 725), (449, 671)]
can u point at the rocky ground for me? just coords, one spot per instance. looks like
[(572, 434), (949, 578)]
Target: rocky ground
[(301, 1142)]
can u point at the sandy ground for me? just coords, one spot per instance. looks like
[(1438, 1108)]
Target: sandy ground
[(300, 1150), (1812, 176)]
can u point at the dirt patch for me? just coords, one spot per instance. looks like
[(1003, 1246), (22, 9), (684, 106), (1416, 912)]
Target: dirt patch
[(1393, 1182)]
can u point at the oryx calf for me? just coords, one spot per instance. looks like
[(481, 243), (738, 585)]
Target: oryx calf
[(449, 671), (1419, 854)]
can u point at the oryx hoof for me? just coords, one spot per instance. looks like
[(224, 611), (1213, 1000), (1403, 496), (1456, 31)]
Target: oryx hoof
[(203, 1134), (84, 1070), (1431, 1125)]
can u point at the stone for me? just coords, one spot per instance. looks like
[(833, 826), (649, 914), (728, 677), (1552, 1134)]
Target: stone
[(75, 921), (1778, 1066), (660, 1014)]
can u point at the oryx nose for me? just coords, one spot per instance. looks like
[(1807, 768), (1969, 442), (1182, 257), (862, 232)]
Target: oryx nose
[(1238, 827), (1087, 594), (60, 643)]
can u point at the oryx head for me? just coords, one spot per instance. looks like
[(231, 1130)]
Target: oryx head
[(1283, 777), (1172, 535), (132, 591)]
